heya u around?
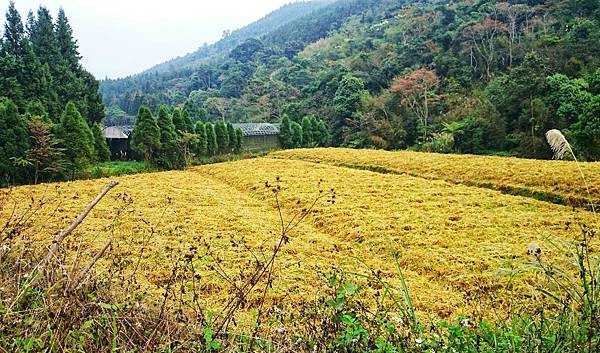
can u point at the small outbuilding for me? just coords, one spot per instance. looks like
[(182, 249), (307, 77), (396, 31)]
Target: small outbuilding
[(118, 139), (259, 137)]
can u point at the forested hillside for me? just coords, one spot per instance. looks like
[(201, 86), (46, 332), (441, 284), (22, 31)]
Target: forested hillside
[(466, 76), (50, 107), (231, 39)]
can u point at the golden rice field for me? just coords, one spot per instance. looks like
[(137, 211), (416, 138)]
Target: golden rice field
[(457, 244), (547, 179)]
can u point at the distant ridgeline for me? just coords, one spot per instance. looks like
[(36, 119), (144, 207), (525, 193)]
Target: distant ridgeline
[(50, 107), (461, 76)]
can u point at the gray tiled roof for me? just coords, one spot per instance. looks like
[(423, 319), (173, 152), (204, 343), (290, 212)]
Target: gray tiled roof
[(258, 129), (117, 132)]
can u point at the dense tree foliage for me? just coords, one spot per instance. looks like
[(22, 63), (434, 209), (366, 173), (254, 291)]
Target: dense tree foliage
[(102, 153), (52, 106), (14, 141), (168, 154), (145, 137), (76, 141), (41, 63), (476, 77)]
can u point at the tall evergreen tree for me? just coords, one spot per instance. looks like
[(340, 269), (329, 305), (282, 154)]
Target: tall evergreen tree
[(145, 137), (14, 39), (211, 139), (67, 45), (316, 134), (347, 101), (43, 39), (168, 156), (324, 135), (222, 136), (12, 52), (232, 137), (202, 146), (77, 141), (285, 133), (14, 142), (188, 125), (178, 121), (296, 135), (239, 140), (100, 146), (307, 132)]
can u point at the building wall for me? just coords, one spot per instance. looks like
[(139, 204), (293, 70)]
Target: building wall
[(261, 143), (119, 149)]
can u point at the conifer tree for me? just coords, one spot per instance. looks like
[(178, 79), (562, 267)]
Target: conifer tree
[(43, 39), (296, 135), (100, 146), (324, 134), (202, 146), (307, 135), (36, 108), (188, 125), (222, 136), (285, 133), (168, 155), (316, 135), (67, 45), (211, 138), (77, 141), (239, 140), (145, 137), (232, 137), (11, 57), (14, 142), (178, 121)]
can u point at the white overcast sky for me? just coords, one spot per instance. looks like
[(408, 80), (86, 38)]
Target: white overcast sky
[(121, 37)]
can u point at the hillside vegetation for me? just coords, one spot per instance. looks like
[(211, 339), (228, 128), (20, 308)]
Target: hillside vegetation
[(464, 76)]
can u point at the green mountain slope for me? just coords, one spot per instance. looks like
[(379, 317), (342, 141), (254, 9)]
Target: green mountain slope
[(473, 76)]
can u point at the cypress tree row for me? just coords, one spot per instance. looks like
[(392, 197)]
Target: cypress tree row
[(76, 140)]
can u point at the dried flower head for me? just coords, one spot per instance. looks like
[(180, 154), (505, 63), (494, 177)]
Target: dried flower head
[(559, 144)]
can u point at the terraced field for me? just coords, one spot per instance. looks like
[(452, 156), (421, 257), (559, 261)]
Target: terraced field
[(457, 243), (555, 181)]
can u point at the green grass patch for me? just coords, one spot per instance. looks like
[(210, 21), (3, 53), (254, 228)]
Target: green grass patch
[(117, 168)]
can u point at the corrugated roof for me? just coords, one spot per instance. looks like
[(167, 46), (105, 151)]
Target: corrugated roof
[(117, 132), (258, 129)]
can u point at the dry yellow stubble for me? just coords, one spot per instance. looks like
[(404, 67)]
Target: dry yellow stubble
[(455, 243)]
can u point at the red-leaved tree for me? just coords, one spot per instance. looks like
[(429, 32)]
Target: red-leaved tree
[(417, 93)]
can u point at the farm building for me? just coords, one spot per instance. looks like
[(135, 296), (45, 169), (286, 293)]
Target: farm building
[(260, 136), (118, 138)]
